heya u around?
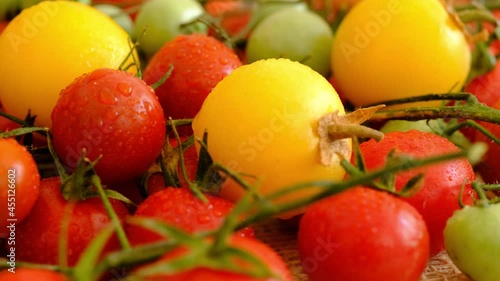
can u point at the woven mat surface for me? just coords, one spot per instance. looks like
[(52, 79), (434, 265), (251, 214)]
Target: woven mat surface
[(281, 235)]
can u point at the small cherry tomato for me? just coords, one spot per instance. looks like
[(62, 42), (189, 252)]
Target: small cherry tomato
[(438, 195), (363, 234), (471, 239), (19, 185), (275, 107), (110, 113), (199, 62)]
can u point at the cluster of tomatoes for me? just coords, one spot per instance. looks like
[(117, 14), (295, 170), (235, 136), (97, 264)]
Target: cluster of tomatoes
[(143, 139)]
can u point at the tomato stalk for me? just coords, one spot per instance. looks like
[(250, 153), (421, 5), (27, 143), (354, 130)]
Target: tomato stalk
[(192, 186), (334, 131), (471, 109), (490, 4), (265, 210), (256, 208), (120, 232)]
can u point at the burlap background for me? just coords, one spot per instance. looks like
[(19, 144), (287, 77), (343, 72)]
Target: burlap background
[(281, 236)]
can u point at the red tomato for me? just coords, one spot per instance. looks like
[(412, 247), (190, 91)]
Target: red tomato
[(234, 15), (179, 207), (199, 63), (37, 237), (110, 113), (19, 185), (30, 274), (487, 86), (489, 168), (253, 246), (363, 234), (437, 198)]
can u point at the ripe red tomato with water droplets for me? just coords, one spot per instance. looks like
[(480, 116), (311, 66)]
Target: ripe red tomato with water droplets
[(363, 234), (254, 247), (180, 208), (110, 113), (199, 63), (38, 236), (19, 185), (30, 274), (437, 198)]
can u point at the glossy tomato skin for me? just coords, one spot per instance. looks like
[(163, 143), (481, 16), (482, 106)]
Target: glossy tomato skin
[(19, 183), (363, 234), (373, 45), (253, 246), (199, 63), (67, 46), (37, 237), (29, 274), (437, 198), (277, 100), (179, 207), (110, 113)]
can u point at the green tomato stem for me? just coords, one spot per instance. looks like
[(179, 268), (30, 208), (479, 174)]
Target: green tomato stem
[(474, 15), (334, 187), (193, 187), (120, 232), (472, 109)]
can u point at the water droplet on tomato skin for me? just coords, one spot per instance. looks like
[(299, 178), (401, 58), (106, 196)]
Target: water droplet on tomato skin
[(107, 96), (125, 88), (112, 114), (203, 218), (223, 60)]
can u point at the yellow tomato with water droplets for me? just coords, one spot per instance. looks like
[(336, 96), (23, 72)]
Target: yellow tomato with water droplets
[(49, 45), (262, 119), (391, 49)]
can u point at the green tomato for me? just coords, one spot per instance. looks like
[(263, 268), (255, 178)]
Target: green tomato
[(162, 20), (472, 241), (299, 35), (119, 16), (7, 9), (263, 9)]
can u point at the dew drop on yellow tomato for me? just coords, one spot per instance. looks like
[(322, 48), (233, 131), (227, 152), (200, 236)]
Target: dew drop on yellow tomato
[(262, 119), (391, 49), (50, 44)]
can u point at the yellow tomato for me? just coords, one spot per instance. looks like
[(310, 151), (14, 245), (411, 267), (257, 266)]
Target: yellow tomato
[(390, 49), (50, 44), (262, 119)]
